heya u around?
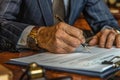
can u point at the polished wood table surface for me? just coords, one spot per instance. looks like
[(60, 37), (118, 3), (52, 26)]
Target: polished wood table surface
[(18, 70)]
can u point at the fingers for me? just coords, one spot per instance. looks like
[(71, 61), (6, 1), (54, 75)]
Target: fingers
[(117, 41), (60, 38), (72, 31), (110, 40), (63, 38), (63, 47), (68, 39), (94, 40), (106, 38)]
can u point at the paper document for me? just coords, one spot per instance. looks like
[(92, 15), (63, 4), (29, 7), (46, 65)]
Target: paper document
[(79, 60)]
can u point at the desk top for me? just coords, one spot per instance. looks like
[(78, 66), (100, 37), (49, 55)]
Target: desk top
[(18, 70)]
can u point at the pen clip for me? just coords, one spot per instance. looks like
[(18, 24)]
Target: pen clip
[(115, 64)]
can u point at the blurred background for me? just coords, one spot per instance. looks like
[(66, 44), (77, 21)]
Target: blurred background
[(114, 6)]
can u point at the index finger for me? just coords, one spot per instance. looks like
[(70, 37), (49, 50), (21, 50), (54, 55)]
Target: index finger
[(73, 31)]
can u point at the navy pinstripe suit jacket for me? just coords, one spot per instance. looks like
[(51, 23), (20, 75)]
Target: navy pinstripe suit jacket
[(16, 15)]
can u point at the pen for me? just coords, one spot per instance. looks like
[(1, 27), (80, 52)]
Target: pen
[(83, 44)]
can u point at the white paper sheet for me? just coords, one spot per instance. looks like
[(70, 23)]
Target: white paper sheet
[(79, 60)]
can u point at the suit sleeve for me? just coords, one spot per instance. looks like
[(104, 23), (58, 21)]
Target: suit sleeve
[(98, 15), (10, 28)]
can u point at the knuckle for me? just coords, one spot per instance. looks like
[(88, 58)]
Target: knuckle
[(105, 31), (112, 39), (72, 49), (56, 43), (102, 39), (113, 33), (76, 43), (60, 24), (81, 32), (58, 33)]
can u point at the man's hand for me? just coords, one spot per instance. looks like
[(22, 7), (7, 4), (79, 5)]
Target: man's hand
[(106, 38), (60, 38)]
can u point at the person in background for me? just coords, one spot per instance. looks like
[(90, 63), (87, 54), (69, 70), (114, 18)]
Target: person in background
[(31, 24)]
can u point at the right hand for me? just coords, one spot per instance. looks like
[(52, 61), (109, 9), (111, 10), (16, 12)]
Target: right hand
[(60, 38)]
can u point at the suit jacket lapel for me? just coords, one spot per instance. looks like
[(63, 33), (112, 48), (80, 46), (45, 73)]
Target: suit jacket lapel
[(46, 8)]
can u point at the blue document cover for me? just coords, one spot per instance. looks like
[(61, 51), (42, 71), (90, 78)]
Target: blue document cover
[(79, 62), (104, 74)]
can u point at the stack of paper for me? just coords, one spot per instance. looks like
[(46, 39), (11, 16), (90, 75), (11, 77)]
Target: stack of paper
[(80, 61)]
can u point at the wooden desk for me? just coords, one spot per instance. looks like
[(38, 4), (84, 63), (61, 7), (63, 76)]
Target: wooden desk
[(17, 70)]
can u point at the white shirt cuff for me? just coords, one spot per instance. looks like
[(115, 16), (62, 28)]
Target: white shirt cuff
[(22, 42)]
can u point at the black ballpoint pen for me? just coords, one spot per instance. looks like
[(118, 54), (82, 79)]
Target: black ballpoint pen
[(83, 44)]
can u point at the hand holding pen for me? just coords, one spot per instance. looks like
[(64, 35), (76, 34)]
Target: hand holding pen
[(59, 38), (83, 44)]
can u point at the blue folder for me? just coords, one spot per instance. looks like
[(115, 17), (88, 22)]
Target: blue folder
[(103, 74)]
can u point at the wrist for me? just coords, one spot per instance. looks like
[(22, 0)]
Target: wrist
[(41, 37), (32, 39)]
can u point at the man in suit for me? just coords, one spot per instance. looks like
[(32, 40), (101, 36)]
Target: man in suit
[(30, 23)]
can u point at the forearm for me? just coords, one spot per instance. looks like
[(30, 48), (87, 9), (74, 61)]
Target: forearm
[(10, 31), (12, 22), (14, 36)]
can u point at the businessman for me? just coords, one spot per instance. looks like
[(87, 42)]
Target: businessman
[(32, 24)]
